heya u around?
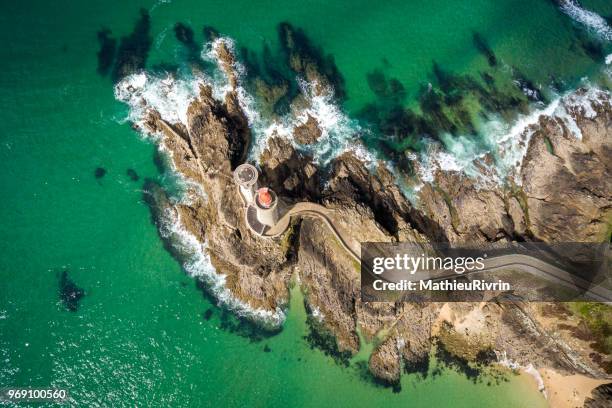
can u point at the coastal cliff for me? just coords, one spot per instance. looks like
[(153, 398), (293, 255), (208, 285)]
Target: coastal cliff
[(562, 191)]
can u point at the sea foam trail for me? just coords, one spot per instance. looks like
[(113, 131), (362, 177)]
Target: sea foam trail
[(590, 19)]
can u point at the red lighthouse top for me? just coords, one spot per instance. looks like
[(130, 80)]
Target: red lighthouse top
[(264, 197)]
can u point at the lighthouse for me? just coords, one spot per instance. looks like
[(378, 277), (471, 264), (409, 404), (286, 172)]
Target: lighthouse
[(266, 203), (262, 204)]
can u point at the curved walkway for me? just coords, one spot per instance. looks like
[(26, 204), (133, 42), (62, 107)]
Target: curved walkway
[(524, 263), (316, 211)]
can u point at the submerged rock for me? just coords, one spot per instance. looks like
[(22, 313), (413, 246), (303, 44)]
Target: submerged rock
[(70, 294), (133, 175), (99, 172)]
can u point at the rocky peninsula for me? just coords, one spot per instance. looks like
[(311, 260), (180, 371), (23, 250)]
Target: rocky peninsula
[(562, 191)]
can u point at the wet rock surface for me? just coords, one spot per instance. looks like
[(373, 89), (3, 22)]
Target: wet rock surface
[(563, 192), (308, 132)]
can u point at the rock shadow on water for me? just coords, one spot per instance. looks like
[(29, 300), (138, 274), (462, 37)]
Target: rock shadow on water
[(386, 88), (321, 338), (99, 173), (419, 366), (446, 107), (131, 173), (69, 293), (185, 35), (363, 372), (483, 47), (234, 324), (477, 371), (585, 44), (134, 48), (106, 54), (208, 314), (306, 58), (210, 33)]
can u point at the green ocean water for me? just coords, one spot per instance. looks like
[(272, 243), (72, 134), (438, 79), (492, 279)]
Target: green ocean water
[(139, 336)]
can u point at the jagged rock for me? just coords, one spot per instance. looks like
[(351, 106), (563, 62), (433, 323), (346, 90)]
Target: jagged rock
[(565, 191), (351, 184), (568, 182), (308, 132), (288, 172), (385, 362)]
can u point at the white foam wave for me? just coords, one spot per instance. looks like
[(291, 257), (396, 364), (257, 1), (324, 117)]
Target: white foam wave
[(500, 153), (590, 19), (168, 95), (504, 361), (197, 264), (339, 133)]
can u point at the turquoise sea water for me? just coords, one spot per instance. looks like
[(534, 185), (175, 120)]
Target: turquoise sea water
[(141, 335)]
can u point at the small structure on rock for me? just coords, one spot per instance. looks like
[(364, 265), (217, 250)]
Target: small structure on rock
[(246, 176), (262, 203), (266, 202)]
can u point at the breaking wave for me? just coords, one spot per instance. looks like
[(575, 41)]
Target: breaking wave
[(500, 152), (593, 21), (339, 133), (165, 94)]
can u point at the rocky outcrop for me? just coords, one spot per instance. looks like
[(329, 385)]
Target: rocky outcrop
[(308, 132), (288, 172), (385, 362), (563, 191)]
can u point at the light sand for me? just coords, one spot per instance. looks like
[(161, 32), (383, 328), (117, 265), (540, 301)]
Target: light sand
[(567, 391)]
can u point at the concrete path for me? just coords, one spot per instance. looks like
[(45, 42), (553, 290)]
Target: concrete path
[(307, 209)]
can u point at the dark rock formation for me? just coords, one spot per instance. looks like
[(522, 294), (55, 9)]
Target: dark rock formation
[(70, 294), (106, 55), (131, 173), (99, 172), (133, 49), (601, 397)]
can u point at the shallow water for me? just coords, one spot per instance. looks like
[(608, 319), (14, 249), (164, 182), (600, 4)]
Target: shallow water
[(139, 333)]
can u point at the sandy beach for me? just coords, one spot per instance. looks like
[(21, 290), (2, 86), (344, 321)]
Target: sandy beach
[(567, 391)]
